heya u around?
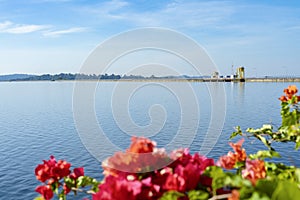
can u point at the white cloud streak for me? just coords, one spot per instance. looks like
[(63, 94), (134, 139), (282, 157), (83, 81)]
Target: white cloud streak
[(9, 27), (26, 29), (65, 31), (47, 30)]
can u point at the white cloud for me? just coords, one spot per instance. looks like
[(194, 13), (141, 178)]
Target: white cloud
[(26, 29), (65, 31), (9, 27), (5, 25)]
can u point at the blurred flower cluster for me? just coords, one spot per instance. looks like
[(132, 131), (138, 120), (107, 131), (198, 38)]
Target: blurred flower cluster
[(289, 94), (182, 172), (146, 172), (51, 172)]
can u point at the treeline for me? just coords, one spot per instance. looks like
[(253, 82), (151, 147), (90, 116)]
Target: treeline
[(67, 76), (70, 76)]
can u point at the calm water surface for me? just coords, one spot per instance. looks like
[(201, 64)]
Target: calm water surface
[(36, 121)]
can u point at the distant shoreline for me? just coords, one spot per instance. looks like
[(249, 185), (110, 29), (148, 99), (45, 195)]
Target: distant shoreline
[(138, 78), (170, 80)]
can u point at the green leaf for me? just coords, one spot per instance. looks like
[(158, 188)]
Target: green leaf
[(297, 175), (258, 196), (197, 195), (62, 196), (266, 186), (286, 190), (39, 198), (236, 181), (171, 195), (83, 181), (264, 141), (218, 177), (297, 144), (246, 192), (237, 132), (267, 127), (264, 154)]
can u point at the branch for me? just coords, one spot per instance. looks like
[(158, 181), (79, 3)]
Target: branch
[(222, 196), (84, 191)]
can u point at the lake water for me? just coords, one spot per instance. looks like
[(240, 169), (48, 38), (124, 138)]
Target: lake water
[(36, 121)]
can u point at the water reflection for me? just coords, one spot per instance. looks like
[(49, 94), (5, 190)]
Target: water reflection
[(237, 92)]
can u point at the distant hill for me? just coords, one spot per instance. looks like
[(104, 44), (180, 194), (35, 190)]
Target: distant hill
[(14, 77)]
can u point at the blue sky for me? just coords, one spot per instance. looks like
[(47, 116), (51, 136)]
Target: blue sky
[(53, 36)]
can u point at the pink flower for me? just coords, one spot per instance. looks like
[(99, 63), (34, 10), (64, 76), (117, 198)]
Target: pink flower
[(228, 161), (202, 161), (181, 156), (45, 191), (174, 182), (255, 169), (149, 190), (192, 170), (118, 188)]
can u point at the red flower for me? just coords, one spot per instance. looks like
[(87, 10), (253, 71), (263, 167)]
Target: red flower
[(77, 172), (142, 156), (61, 169), (45, 191), (42, 173), (283, 98), (228, 161), (52, 170), (240, 153), (291, 90), (205, 181), (255, 169), (66, 189), (289, 93)]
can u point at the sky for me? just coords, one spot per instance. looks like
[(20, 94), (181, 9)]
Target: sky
[(54, 36)]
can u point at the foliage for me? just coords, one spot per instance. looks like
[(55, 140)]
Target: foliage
[(289, 131), (134, 174)]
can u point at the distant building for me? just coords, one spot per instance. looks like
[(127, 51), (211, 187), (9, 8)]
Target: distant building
[(215, 75), (240, 72)]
